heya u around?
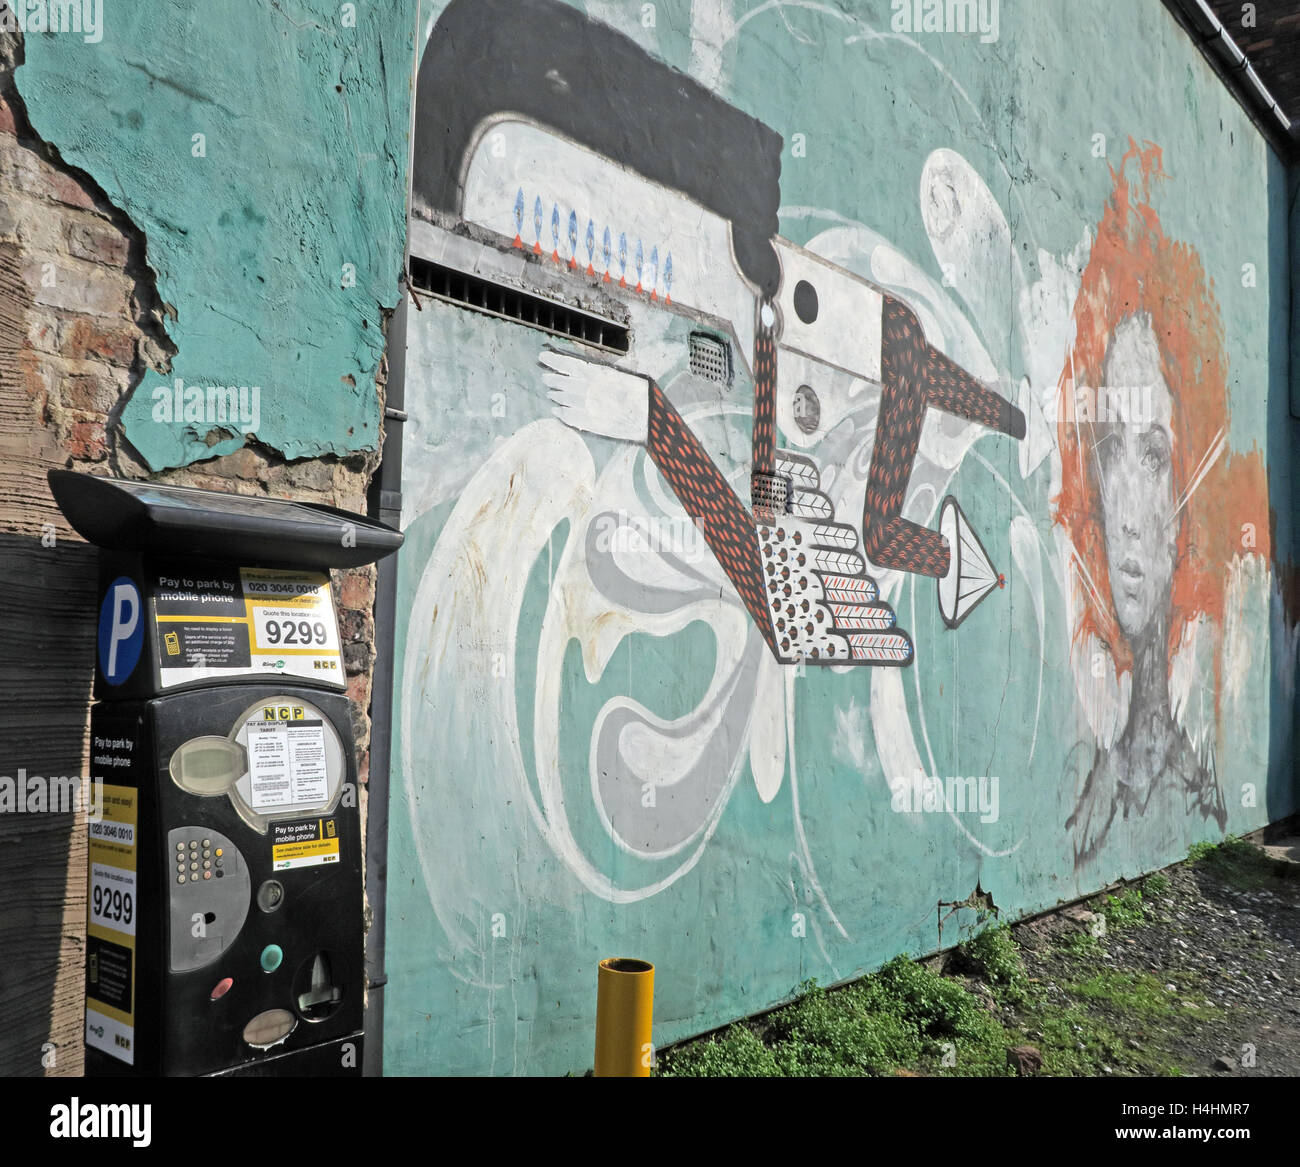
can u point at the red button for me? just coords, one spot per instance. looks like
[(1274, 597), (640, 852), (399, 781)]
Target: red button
[(222, 988)]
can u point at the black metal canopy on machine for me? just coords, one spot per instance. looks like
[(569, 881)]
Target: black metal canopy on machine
[(128, 515)]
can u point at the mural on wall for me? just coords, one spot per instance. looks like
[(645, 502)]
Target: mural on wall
[(697, 456), (802, 564), (1154, 508), (800, 571), (665, 216)]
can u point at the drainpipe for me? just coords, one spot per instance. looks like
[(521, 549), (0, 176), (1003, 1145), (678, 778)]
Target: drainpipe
[(385, 503), (1238, 74)]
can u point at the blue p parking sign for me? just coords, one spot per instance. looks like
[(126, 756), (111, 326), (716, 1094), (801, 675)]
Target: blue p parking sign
[(121, 630)]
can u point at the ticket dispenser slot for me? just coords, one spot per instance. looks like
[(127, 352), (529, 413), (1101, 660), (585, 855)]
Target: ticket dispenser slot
[(225, 928)]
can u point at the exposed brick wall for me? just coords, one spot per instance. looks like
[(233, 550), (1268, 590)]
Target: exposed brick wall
[(80, 326)]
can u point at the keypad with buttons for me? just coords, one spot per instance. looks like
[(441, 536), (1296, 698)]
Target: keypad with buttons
[(197, 860), (211, 882)]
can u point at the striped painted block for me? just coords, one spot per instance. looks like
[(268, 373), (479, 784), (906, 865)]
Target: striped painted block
[(849, 589), (839, 535), (881, 647), (802, 472), (864, 616)]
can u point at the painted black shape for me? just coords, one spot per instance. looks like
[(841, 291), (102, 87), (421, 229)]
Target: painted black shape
[(548, 62), (805, 301)]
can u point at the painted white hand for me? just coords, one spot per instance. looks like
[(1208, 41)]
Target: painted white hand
[(597, 398)]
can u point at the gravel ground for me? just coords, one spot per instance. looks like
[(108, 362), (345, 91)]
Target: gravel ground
[(1187, 972), (1223, 938)]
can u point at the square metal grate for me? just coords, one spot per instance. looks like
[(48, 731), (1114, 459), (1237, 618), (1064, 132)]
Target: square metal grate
[(769, 495), (710, 358)]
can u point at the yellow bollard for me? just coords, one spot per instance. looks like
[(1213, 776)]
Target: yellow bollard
[(625, 996)]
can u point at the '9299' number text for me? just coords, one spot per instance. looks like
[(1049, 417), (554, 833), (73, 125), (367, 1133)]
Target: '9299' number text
[(112, 904), (303, 632)]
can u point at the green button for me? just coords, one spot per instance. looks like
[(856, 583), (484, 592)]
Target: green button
[(272, 955)]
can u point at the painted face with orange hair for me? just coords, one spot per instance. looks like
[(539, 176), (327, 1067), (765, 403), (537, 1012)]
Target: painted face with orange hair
[(1153, 504), (1149, 494), (1133, 459)]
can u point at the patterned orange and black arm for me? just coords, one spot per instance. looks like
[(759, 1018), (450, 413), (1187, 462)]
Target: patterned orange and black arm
[(914, 378), (726, 523)]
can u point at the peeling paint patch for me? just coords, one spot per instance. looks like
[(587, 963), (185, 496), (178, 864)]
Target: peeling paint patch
[(267, 172)]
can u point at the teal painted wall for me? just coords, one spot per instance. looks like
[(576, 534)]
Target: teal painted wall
[(509, 880), (304, 109)]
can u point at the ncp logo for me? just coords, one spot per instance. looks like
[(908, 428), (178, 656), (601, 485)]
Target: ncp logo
[(121, 630)]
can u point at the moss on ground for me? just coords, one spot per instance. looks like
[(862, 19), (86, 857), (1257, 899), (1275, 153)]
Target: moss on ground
[(1084, 1015), (903, 1015), (1236, 862), (908, 1019), (1124, 910)]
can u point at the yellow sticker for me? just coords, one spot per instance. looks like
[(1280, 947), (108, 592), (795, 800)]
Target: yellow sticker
[(112, 909), (303, 844), (304, 854)]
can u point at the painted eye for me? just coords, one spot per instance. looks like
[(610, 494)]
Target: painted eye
[(1153, 462)]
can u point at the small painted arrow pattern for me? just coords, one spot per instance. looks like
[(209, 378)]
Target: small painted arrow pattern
[(651, 278)]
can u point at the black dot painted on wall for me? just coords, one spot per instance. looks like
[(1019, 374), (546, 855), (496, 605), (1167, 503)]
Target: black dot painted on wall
[(805, 301)]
